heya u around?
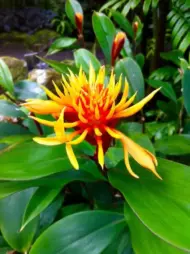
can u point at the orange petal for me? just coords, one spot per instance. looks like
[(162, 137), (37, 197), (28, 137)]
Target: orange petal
[(48, 141), (137, 107), (72, 156), (144, 158), (42, 106)]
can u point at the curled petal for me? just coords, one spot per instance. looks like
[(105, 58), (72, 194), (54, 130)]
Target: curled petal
[(72, 156), (48, 141), (144, 158), (42, 107), (137, 107)]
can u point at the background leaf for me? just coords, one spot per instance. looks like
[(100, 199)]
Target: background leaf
[(72, 7), (186, 90), (60, 44), (6, 80)]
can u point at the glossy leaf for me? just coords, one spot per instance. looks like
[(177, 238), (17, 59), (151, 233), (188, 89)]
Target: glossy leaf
[(174, 145), (146, 6), (77, 234), (146, 242), (11, 212), (39, 201), (166, 88), (27, 89), (173, 56), (105, 33), (10, 129), (83, 58), (186, 90), (132, 72), (72, 7), (153, 201), (54, 181), (31, 161), (6, 80), (140, 59), (60, 44)]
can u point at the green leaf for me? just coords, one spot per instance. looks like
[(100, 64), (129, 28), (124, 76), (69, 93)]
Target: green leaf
[(108, 4), (10, 129), (70, 209), (10, 109), (77, 234), (131, 70), (146, 6), (123, 23), (173, 56), (186, 90), (60, 44), (105, 33), (59, 66), (71, 8), (27, 89), (120, 245), (39, 201), (154, 201), (140, 60), (84, 57), (185, 43), (164, 73), (174, 145), (146, 242), (6, 80), (11, 212), (166, 88), (155, 3), (184, 64), (37, 161)]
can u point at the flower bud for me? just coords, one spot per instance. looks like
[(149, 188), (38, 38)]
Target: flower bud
[(117, 45), (135, 27), (79, 22)]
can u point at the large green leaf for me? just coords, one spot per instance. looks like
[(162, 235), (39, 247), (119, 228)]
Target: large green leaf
[(174, 145), (53, 181), (167, 89), (131, 70), (30, 161), (60, 44), (11, 212), (41, 199), (186, 90), (84, 57), (161, 206), (81, 233), (146, 242), (6, 80), (72, 7), (105, 33)]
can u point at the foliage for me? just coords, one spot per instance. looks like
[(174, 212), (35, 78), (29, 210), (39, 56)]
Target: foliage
[(48, 207)]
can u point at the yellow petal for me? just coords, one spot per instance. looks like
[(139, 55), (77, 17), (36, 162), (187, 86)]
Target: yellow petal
[(42, 106), (100, 153), (101, 76), (72, 156), (140, 155), (126, 159), (58, 91), (48, 141), (52, 96), (71, 125), (137, 107), (42, 121), (111, 112), (111, 83), (97, 132), (112, 133), (79, 139), (126, 104), (59, 127), (92, 76)]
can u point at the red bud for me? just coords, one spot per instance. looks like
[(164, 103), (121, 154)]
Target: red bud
[(117, 45), (79, 22)]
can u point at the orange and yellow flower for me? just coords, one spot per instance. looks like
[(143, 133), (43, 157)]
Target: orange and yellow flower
[(92, 109)]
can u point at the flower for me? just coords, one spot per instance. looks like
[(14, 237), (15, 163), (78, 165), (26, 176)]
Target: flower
[(117, 46), (79, 22), (93, 110)]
